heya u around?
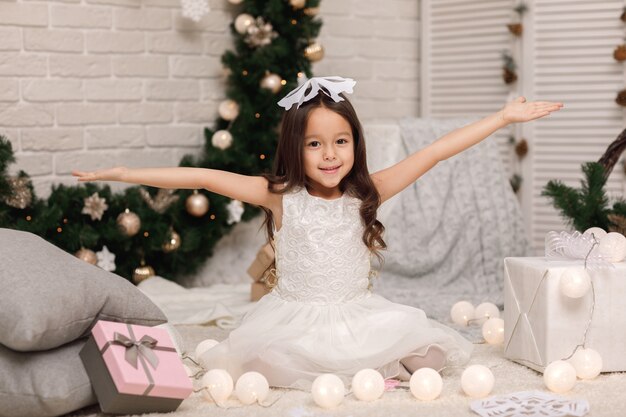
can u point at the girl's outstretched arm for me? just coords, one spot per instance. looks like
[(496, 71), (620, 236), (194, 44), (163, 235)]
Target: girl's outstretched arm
[(396, 178), (249, 189)]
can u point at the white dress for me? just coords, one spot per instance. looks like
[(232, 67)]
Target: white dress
[(321, 317)]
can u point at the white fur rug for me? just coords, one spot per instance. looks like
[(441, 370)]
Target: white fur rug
[(606, 394)]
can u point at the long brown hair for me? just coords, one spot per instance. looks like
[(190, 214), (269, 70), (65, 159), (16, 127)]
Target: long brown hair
[(289, 167)]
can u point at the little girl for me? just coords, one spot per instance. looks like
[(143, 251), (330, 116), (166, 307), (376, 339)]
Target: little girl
[(320, 204)]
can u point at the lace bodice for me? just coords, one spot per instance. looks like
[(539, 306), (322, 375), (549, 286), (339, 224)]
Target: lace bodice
[(320, 254)]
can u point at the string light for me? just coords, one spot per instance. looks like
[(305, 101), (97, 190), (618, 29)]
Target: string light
[(283, 82), (262, 156), (244, 72), (146, 234), (257, 115), (59, 229), (294, 22), (28, 218), (64, 221), (212, 216)]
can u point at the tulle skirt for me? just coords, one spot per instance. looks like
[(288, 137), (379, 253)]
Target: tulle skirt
[(291, 343)]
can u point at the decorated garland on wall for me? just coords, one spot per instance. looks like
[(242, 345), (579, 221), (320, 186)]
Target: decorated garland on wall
[(142, 230), (509, 76)]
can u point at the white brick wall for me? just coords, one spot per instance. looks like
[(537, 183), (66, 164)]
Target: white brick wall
[(91, 84)]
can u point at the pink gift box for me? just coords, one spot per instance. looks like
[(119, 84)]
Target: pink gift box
[(134, 369)]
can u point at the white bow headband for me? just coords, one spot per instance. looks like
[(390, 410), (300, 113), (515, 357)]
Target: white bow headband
[(332, 87)]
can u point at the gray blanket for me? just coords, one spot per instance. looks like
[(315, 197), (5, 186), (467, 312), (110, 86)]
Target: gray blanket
[(447, 233)]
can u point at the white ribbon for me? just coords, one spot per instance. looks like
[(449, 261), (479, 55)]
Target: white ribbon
[(332, 86)]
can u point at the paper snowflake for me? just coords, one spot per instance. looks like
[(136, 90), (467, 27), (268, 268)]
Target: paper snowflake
[(106, 259), (530, 403), (194, 9), (95, 206), (235, 210)]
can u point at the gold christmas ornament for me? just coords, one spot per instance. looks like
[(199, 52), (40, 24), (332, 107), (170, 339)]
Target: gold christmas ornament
[(128, 223), (311, 11), (228, 110), (87, 255), (172, 243), (314, 52), (242, 22), (297, 4), (20, 196), (161, 202), (222, 139), (272, 82), (142, 273), (197, 204)]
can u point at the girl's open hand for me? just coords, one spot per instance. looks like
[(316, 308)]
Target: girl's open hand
[(111, 174), (519, 110)]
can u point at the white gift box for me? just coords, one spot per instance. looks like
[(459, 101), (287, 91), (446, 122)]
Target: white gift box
[(542, 325)]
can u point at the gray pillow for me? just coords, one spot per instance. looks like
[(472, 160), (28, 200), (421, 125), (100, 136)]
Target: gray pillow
[(49, 297), (48, 383)]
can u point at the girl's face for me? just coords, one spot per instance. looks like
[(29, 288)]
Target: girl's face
[(328, 152)]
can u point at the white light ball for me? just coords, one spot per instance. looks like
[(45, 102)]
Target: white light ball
[(613, 245), (493, 331), (228, 109), (368, 385), (597, 232), (328, 390), (559, 376), (272, 82), (587, 363), (575, 282), (487, 311), (222, 139), (462, 312), (242, 22), (477, 381), (426, 384), (218, 385), (235, 1), (252, 387), (204, 347)]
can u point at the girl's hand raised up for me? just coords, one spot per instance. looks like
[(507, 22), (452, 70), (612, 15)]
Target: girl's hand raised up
[(519, 110), (111, 174)]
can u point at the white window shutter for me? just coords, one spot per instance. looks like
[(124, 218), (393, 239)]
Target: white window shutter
[(565, 54)]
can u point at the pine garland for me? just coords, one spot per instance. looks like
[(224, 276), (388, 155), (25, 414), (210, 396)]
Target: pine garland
[(59, 220)]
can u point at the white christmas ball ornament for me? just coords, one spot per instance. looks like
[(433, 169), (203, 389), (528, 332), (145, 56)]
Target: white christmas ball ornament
[(559, 376), (368, 385), (328, 390), (252, 387), (477, 381), (575, 282), (217, 384), (613, 246), (426, 384), (242, 22), (493, 331), (597, 232), (272, 82), (222, 139), (587, 363), (204, 347), (487, 311), (228, 110), (462, 312)]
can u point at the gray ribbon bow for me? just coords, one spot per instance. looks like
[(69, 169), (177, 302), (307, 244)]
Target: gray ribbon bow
[(135, 348)]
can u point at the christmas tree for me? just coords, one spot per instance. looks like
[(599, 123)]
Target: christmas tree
[(172, 232)]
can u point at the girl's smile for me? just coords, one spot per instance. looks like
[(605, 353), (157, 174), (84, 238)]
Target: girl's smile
[(328, 152)]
